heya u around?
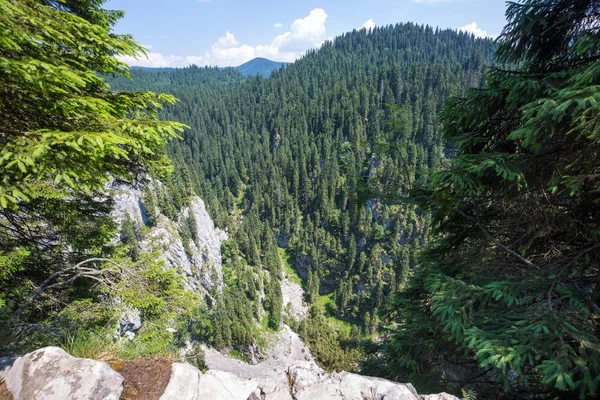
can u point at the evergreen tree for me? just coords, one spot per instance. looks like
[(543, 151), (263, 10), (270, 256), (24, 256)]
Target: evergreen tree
[(129, 237), (507, 295), (64, 135)]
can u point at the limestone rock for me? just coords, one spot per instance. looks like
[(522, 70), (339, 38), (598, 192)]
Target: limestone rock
[(188, 383), (310, 382), (276, 388), (184, 383), (439, 396), (219, 385), (52, 374), (131, 321), (293, 296), (202, 268)]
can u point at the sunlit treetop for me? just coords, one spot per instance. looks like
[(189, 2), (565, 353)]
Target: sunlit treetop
[(62, 127)]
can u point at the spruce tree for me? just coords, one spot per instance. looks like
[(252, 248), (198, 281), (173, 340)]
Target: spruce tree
[(506, 299)]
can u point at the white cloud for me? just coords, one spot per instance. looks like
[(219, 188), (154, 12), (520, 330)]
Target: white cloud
[(228, 40), (368, 25), (155, 60), (278, 25), (472, 28), (304, 33)]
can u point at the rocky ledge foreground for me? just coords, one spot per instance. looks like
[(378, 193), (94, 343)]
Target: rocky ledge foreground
[(52, 374)]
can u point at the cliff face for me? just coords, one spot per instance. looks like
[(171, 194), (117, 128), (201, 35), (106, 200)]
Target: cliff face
[(201, 264)]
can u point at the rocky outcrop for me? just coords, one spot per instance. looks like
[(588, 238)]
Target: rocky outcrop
[(439, 396), (308, 381), (52, 374), (304, 381), (184, 383), (284, 350), (293, 299), (188, 383), (201, 268)]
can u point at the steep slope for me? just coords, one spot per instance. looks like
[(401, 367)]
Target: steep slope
[(198, 260), (260, 66), (297, 157)]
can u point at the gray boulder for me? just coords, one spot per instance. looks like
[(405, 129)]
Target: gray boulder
[(52, 374), (310, 382), (276, 388), (188, 383), (184, 383)]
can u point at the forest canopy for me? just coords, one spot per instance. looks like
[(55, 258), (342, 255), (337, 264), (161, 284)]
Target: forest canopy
[(507, 292), (64, 135)]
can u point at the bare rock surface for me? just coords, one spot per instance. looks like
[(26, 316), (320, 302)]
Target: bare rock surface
[(188, 383), (201, 269), (293, 295), (439, 396), (270, 375), (309, 381), (219, 385), (52, 374), (184, 383)]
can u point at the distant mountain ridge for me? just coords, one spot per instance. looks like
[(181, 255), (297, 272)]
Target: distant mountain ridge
[(260, 66), (256, 66)]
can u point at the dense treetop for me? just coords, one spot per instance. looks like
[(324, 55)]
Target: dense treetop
[(507, 294), (305, 150), (63, 136)]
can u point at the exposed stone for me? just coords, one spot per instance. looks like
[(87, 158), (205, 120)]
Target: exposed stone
[(202, 267), (310, 382), (131, 321), (219, 385), (184, 383), (439, 396), (52, 374), (293, 299), (284, 350), (276, 388)]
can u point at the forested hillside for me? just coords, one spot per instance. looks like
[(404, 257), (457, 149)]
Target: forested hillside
[(435, 195), (304, 158)]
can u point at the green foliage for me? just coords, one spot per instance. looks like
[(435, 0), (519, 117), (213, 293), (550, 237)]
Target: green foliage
[(238, 355), (301, 154), (65, 134), (89, 344), (196, 357), (332, 347), (129, 237), (150, 204), (506, 300), (158, 293), (61, 123)]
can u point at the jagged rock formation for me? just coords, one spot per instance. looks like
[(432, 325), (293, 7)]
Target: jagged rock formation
[(201, 268), (308, 381), (51, 374)]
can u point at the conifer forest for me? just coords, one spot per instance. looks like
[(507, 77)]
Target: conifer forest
[(434, 194)]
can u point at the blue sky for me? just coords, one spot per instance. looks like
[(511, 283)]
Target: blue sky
[(231, 32)]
